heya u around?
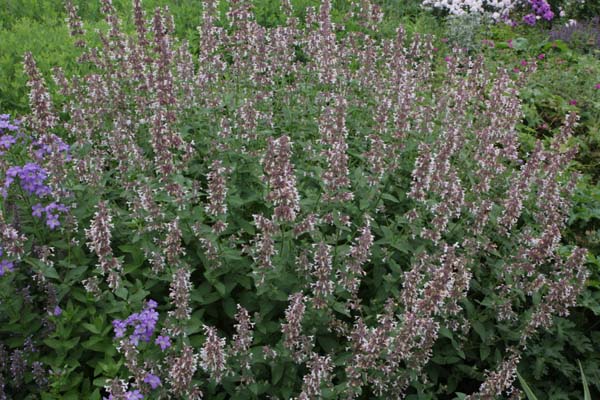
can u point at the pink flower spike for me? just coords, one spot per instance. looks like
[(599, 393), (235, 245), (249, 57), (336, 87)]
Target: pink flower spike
[(573, 102), (523, 63), (597, 86), (541, 56)]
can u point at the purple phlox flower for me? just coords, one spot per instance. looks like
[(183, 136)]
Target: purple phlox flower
[(37, 210), (7, 140), (133, 395), (529, 19), (143, 324), (119, 327), (52, 221), (11, 174), (542, 8), (152, 380), (6, 266), (4, 116), (163, 341), (151, 304), (32, 178)]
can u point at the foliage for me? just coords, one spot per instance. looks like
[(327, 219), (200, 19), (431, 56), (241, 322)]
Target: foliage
[(467, 31), (582, 35), (531, 395)]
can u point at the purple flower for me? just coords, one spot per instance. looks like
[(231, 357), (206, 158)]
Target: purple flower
[(573, 102), (541, 8), (597, 86), (7, 140), (119, 327), (37, 210), (6, 266), (133, 395), (152, 380), (57, 311), (143, 324), (52, 221), (151, 304), (32, 178), (163, 341), (529, 19)]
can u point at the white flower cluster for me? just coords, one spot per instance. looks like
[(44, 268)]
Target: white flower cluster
[(497, 9)]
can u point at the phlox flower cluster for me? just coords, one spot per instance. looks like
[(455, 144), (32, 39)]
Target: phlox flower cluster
[(32, 176), (7, 131), (143, 324), (541, 9), (497, 8), (32, 179)]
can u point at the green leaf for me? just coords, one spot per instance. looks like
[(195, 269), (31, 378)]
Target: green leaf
[(526, 388), (277, 373), (586, 388), (48, 272)]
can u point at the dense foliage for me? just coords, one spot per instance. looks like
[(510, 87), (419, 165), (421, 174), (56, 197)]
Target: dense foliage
[(305, 203)]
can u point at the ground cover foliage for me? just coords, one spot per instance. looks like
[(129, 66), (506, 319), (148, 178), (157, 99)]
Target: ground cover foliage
[(306, 203)]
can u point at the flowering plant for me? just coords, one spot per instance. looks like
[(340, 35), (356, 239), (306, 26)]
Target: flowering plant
[(313, 215)]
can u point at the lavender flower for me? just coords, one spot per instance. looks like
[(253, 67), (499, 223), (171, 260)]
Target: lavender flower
[(322, 270), (181, 371), (279, 175), (212, 355), (179, 294), (99, 237), (17, 367)]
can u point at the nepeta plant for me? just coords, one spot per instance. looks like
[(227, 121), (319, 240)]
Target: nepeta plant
[(312, 208)]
